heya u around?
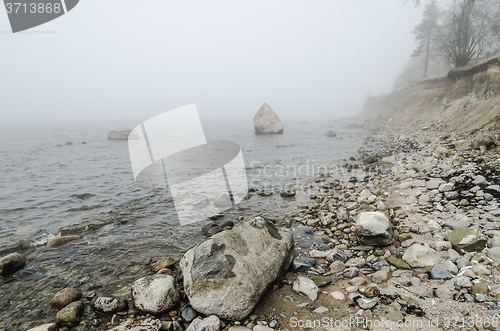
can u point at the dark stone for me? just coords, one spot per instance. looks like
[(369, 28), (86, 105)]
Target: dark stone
[(324, 247), (207, 227), (12, 249), (310, 261), (11, 263), (298, 266), (351, 274), (273, 231), (213, 264), (225, 224), (380, 264), (188, 314), (336, 279), (370, 159), (437, 273), (214, 230)]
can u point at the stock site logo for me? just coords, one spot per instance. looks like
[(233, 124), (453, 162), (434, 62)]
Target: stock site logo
[(204, 178), (25, 15)]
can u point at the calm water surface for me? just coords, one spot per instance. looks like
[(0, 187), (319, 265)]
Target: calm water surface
[(89, 189)]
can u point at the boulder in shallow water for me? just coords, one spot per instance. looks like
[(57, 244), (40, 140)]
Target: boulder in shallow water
[(226, 274), (266, 121), (70, 315), (61, 240), (331, 133), (374, 229), (64, 297), (11, 263), (124, 134)]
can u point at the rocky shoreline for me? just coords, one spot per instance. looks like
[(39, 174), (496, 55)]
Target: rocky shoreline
[(411, 238)]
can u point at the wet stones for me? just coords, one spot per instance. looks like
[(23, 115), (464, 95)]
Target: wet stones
[(11, 263), (306, 287), (109, 304), (61, 240), (70, 315), (64, 297), (418, 255), (374, 228), (166, 263), (226, 274), (288, 193), (467, 239), (45, 327), (155, 294)]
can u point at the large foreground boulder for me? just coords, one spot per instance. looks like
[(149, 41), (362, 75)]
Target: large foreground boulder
[(228, 273), (374, 229), (266, 121)]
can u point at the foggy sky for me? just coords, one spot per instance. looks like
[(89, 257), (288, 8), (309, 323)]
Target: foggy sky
[(124, 59)]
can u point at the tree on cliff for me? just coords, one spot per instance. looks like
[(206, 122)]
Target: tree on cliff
[(463, 36), (425, 31)]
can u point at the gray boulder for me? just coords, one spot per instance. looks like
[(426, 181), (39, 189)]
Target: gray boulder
[(226, 274), (155, 294), (124, 134), (375, 229), (266, 121)]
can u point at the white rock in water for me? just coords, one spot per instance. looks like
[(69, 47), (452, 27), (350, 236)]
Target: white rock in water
[(228, 273), (306, 287), (374, 229), (419, 256), (124, 134), (266, 121), (155, 294)]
